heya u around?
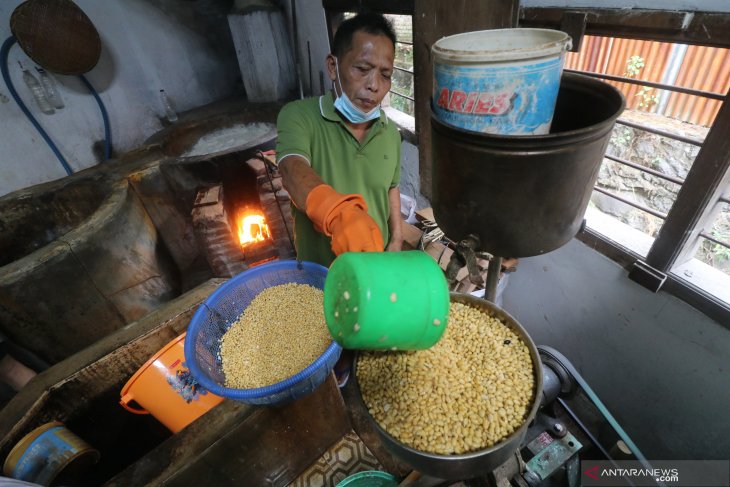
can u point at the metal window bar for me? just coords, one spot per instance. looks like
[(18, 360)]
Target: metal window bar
[(663, 133), (657, 214), (713, 239), (688, 140), (402, 95), (645, 169), (651, 84), (410, 71)]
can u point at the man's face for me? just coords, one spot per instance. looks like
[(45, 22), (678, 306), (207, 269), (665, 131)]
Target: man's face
[(365, 70)]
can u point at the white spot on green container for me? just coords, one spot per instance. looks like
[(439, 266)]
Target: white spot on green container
[(392, 297)]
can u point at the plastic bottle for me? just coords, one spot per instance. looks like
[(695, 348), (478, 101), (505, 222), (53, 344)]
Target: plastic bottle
[(52, 93), (37, 90), (169, 111)]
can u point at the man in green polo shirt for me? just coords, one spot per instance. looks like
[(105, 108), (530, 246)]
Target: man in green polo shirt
[(338, 154)]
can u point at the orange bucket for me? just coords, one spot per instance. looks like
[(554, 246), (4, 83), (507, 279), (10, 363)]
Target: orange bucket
[(164, 387)]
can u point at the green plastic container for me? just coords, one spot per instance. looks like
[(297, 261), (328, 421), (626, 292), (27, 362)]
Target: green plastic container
[(371, 478), (386, 301)]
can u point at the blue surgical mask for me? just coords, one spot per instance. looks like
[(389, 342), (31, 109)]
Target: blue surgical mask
[(344, 105)]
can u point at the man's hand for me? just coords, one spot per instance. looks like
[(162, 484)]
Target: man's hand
[(394, 246), (353, 230), (344, 218)]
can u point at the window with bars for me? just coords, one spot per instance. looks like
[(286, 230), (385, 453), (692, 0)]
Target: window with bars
[(673, 93), (401, 90)]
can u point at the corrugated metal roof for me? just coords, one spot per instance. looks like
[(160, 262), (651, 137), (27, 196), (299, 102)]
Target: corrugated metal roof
[(696, 67)]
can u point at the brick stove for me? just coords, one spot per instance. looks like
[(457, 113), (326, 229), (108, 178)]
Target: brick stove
[(217, 219)]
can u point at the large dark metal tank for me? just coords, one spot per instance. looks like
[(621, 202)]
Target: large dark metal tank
[(525, 195)]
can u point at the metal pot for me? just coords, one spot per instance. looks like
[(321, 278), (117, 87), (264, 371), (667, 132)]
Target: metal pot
[(474, 464), (525, 195)]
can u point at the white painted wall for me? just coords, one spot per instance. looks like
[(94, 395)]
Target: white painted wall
[(144, 50), (697, 5)]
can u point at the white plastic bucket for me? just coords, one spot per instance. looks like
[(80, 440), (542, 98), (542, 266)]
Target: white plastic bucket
[(502, 81)]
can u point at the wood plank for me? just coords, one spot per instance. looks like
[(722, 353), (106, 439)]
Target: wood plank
[(706, 28), (83, 390), (425, 214), (440, 253), (433, 19), (398, 7), (270, 446)]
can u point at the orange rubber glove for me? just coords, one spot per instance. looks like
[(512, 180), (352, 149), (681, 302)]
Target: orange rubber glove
[(344, 217)]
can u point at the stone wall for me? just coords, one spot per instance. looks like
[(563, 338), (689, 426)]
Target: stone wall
[(662, 154)]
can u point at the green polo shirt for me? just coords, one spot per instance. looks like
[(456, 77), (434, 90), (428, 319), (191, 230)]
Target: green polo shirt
[(312, 129)]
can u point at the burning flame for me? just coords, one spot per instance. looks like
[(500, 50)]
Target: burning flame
[(252, 228)]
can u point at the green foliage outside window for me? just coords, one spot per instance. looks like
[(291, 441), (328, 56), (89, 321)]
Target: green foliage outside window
[(403, 81), (634, 65)]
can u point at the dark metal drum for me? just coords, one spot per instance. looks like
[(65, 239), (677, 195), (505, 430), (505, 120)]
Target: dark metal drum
[(474, 464), (525, 195)]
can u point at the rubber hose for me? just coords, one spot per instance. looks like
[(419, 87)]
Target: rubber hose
[(104, 116), (4, 53)]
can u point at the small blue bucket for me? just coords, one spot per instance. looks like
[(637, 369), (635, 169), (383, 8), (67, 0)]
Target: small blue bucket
[(370, 478), (50, 454), (502, 81)]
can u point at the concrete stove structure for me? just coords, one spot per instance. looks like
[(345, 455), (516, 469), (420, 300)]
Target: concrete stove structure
[(91, 253)]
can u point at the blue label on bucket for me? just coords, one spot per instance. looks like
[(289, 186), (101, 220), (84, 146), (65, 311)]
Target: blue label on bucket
[(498, 99), (185, 384), (44, 456)]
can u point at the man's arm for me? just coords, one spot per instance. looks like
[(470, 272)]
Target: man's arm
[(298, 179), (394, 221), (343, 217), (14, 374)]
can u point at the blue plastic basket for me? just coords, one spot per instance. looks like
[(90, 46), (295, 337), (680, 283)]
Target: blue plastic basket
[(222, 309)]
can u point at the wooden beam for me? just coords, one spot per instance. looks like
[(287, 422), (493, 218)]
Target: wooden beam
[(706, 28), (432, 20), (398, 7)]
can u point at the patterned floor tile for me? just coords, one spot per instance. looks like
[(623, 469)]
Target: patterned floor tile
[(346, 457)]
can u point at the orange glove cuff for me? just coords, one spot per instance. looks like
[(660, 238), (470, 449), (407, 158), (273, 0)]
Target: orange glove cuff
[(323, 204)]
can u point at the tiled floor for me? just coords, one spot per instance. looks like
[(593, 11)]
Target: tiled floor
[(346, 457)]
